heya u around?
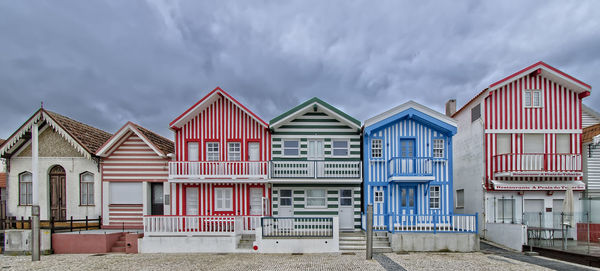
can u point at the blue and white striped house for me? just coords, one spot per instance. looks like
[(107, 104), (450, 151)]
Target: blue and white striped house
[(407, 162)]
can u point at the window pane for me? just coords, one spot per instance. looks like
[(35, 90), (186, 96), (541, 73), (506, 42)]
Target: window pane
[(340, 144), (504, 143), (292, 152), (192, 151), (346, 202), (346, 193), (235, 153), (340, 152), (411, 197), (403, 197), (562, 144), (536, 98), (527, 98), (285, 201), (90, 193), (315, 202), (316, 193), (290, 144), (285, 193)]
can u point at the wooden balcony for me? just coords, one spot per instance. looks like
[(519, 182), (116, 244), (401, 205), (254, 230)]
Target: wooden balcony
[(316, 169), (537, 165), (219, 170), (412, 168)]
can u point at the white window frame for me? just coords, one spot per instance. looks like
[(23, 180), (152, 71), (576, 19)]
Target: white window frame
[(378, 196), (86, 189), (434, 193), (319, 152), (290, 197), (224, 199), (26, 197), (233, 153), (333, 148), (380, 148), (210, 152), (283, 148), (528, 102), (508, 214), (439, 145), (307, 197)]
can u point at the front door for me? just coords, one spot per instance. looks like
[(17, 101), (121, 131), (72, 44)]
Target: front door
[(256, 207), (407, 201), (157, 199), (58, 192), (286, 209), (191, 201), (346, 212)]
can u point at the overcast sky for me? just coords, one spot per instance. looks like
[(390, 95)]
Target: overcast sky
[(108, 62)]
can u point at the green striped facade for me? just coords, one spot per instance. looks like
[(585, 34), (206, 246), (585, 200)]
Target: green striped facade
[(310, 121), (299, 200)]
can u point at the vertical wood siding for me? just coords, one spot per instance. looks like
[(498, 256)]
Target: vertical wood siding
[(241, 198)]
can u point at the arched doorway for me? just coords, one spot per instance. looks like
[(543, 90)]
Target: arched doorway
[(58, 193)]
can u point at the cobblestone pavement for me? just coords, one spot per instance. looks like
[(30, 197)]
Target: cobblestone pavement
[(411, 261)]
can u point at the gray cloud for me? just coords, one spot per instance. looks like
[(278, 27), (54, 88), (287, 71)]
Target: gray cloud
[(108, 62)]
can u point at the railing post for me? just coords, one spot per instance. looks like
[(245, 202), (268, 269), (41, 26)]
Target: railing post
[(476, 223), (434, 223), (71, 225), (86, 222)]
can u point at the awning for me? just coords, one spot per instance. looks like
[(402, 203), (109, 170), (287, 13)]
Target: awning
[(538, 186)]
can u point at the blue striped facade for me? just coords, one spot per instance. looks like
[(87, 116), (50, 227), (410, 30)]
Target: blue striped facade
[(421, 128)]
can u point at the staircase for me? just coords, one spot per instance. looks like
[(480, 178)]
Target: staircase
[(119, 245), (353, 241), (246, 241)]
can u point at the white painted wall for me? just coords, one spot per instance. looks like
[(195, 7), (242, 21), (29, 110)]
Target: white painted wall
[(414, 241), (188, 244), (73, 167), (513, 236), (299, 245), (468, 162)]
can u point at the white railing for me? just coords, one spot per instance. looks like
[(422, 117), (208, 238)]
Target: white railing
[(219, 169), (250, 223), (455, 223), (192, 225), (551, 162), (315, 169), (293, 227), (411, 166)]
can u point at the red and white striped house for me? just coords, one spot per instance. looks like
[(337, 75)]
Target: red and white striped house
[(520, 140), (134, 176), (221, 165)]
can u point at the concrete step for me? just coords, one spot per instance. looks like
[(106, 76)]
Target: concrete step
[(362, 238), (118, 249), (382, 249), (349, 247)]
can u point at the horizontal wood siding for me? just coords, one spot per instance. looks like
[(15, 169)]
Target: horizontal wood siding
[(134, 160), (125, 215)]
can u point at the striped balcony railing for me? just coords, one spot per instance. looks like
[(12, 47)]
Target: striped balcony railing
[(173, 225), (412, 166), (316, 169), (543, 164), (219, 169), (295, 227)]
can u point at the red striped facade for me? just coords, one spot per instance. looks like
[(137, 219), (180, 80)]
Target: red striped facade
[(504, 112), (130, 160), (218, 117)]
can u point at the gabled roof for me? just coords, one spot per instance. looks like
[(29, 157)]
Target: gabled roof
[(414, 110), (549, 72), (590, 132), (205, 102), (85, 138), (160, 145), (300, 109)]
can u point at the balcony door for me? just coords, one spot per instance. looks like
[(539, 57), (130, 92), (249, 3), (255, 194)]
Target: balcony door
[(316, 152), (407, 154)]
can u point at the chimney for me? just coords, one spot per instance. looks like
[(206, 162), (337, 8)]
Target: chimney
[(450, 107)]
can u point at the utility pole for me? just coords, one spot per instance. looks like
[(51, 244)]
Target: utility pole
[(369, 231), (35, 207)]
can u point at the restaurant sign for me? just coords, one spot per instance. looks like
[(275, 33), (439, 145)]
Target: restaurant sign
[(535, 186)]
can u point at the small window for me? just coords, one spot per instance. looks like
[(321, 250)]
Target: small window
[(212, 151), (316, 198), (505, 210), (378, 196), (434, 197), (291, 148), (438, 148), (376, 148), (234, 151), (476, 112), (346, 197), (25, 189), (285, 197), (223, 199), (192, 151), (86, 188), (532, 98), (460, 198), (340, 148)]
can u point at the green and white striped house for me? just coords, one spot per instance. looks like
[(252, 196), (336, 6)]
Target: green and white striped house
[(316, 169)]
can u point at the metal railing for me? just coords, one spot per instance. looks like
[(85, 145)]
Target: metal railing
[(190, 225), (412, 166), (293, 227), (219, 169), (435, 223), (551, 162), (315, 169)]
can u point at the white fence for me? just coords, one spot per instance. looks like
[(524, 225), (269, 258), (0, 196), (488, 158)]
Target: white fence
[(315, 169), (434, 223), (310, 227)]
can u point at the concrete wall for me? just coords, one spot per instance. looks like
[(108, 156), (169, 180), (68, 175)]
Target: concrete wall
[(188, 244), (18, 242), (73, 166), (456, 242), (68, 243), (513, 236), (468, 162)]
